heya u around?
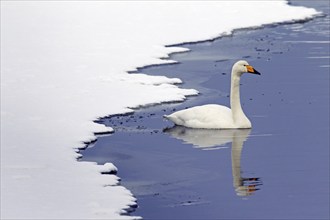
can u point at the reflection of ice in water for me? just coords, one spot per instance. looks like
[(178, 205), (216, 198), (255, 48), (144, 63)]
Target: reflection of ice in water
[(214, 139)]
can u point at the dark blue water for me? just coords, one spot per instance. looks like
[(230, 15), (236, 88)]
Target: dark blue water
[(277, 170)]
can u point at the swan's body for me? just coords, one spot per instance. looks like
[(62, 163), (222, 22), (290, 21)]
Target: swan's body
[(214, 116), (209, 116)]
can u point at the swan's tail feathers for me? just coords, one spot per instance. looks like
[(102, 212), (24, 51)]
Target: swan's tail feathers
[(167, 117), (173, 119)]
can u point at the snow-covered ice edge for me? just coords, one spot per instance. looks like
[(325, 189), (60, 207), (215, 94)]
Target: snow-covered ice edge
[(65, 64)]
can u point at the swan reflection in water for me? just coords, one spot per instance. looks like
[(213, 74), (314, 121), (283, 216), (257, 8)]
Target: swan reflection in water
[(215, 139)]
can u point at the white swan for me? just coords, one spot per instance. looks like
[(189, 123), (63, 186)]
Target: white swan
[(214, 116)]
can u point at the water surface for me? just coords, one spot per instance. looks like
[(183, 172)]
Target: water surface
[(279, 169)]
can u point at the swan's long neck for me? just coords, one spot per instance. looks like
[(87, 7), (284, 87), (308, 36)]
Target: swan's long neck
[(235, 102)]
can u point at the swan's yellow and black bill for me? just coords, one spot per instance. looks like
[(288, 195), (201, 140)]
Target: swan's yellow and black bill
[(250, 69)]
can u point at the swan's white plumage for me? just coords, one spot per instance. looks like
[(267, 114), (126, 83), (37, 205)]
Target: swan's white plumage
[(206, 116), (214, 116)]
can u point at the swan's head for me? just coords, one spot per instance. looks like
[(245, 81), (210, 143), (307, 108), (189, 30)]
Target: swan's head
[(243, 66)]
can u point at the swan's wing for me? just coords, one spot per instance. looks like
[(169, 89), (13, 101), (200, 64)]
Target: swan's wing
[(205, 116)]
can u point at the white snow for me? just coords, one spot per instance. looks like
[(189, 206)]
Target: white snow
[(65, 63), (108, 167)]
